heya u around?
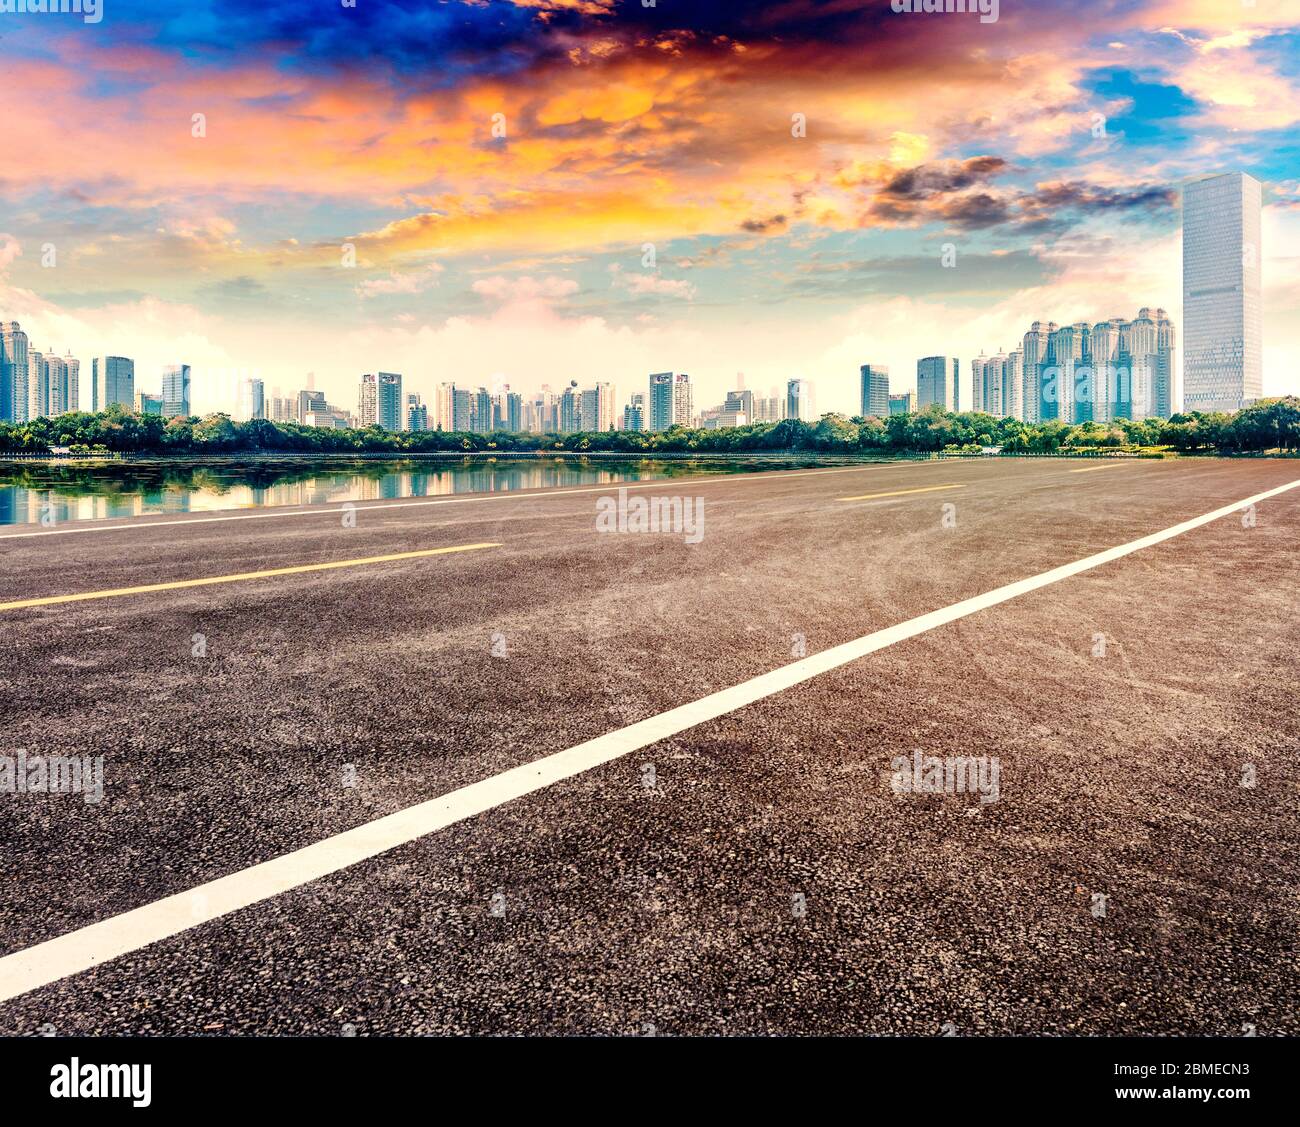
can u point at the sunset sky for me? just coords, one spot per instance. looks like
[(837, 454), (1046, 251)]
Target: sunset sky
[(520, 258)]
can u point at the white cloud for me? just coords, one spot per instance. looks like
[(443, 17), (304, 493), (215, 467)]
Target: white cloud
[(412, 281), (549, 287)]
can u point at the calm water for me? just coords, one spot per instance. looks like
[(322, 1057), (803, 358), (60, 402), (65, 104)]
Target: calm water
[(64, 491)]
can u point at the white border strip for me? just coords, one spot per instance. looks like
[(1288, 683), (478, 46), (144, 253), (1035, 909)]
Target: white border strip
[(91, 946)]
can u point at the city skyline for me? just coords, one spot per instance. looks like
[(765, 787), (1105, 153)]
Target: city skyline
[(590, 238)]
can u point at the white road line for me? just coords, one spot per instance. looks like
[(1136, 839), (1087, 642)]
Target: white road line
[(91, 946), (144, 522)]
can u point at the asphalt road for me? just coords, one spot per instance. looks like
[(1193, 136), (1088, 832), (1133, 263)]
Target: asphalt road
[(771, 880)]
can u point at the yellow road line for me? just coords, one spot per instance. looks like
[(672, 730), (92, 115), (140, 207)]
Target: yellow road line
[(901, 492), (111, 593), (1094, 469)]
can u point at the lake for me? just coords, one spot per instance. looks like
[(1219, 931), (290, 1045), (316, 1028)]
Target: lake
[(84, 490)]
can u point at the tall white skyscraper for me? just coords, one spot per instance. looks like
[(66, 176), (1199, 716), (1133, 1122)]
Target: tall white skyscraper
[(1223, 348), (56, 386), (1013, 385), (252, 399), (683, 404), (38, 385), (977, 382), (1034, 350), (13, 373)]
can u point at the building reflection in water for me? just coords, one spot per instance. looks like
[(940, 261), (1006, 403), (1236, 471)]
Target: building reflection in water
[(109, 491)]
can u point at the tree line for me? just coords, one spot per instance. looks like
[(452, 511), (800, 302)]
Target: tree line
[(1270, 424)]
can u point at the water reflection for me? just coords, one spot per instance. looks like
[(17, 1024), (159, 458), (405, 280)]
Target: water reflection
[(53, 492)]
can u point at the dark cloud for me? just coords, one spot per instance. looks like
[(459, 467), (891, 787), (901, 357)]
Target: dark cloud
[(765, 226), (927, 180), (1089, 197), (942, 192)]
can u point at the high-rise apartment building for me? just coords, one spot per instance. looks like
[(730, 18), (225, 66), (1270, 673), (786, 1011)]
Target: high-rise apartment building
[(482, 417), (1223, 347), (56, 381), (442, 418), (38, 385), (112, 380), (462, 410), (379, 401), (1059, 369), (683, 401), (13, 373), (988, 384), (874, 390), (596, 408), (176, 390), (1034, 350)]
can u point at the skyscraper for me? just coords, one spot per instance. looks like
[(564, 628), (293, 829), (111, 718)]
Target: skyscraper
[(176, 390), (56, 386), (936, 382), (1034, 348), (570, 409), (683, 401), (634, 413), (799, 400), (1223, 359), (1013, 385), (13, 373), (417, 414), (252, 399), (442, 408), (875, 390), (391, 406), (988, 384), (661, 400), (112, 381), (596, 411), (462, 409), (379, 401), (1065, 348), (482, 420), (38, 385)]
